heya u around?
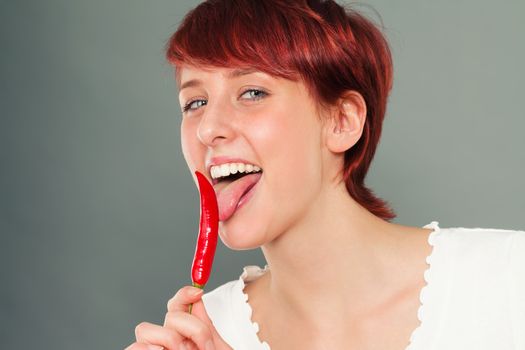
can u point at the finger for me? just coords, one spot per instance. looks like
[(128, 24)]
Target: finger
[(149, 333), (183, 298), (189, 345), (189, 326), (141, 346), (200, 312)]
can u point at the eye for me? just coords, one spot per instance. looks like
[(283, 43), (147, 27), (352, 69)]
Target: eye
[(254, 94), (193, 105)]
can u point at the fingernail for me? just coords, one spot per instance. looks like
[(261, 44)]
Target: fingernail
[(209, 345)]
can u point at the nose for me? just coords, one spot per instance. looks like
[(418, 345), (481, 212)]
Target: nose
[(215, 126)]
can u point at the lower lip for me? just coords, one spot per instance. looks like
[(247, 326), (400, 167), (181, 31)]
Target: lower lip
[(246, 197)]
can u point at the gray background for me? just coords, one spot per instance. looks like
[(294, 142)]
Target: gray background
[(98, 213)]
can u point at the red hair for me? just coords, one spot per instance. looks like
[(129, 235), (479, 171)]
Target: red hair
[(332, 49)]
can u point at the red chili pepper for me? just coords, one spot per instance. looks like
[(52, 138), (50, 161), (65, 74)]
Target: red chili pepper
[(208, 233)]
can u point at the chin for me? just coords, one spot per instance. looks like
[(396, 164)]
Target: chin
[(237, 238)]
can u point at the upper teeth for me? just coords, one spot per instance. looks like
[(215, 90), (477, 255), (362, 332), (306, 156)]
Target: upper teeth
[(232, 168)]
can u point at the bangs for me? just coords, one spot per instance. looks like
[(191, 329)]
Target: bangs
[(275, 37)]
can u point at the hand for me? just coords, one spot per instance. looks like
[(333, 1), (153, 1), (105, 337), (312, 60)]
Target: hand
[(181, 331)]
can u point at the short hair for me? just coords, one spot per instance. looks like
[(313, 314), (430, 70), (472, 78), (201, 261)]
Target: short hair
[(331, 48)]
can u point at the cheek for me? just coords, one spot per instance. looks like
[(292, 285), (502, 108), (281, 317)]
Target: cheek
[(290, 148), (300, 168)]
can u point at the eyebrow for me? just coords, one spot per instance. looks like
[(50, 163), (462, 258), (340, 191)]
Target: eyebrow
[(233, 74)]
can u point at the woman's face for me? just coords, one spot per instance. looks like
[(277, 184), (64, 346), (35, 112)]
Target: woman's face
[(249, 118)]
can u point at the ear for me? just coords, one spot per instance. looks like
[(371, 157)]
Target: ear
[(346, 122)]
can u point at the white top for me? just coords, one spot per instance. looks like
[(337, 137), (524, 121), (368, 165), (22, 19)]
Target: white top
[(474, 298)]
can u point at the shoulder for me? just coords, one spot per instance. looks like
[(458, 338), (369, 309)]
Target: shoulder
[(481, 254), (482, 263), (482, 244), (485, 253), (474, 297), (480, 233), (478, 285)]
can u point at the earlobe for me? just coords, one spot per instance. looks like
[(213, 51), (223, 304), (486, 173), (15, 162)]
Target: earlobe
[(346, 123)]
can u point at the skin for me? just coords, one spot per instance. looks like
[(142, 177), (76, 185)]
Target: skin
[(337, 272)]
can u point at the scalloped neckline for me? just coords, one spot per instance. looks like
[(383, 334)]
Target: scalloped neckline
[(431, 240), (253, 272)]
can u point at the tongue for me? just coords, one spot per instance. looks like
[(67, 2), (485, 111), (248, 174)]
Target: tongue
[(228, 197)]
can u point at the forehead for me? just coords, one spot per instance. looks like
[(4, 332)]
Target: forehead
[(186, 73)]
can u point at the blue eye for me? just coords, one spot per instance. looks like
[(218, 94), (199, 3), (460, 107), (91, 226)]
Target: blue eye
[(251, 94), (255, 94), (192, 105)]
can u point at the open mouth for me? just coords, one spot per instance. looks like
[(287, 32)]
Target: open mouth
[(233, 183), (230, 172)]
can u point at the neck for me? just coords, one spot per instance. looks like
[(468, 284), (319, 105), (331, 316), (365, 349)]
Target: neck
[(338, 254)]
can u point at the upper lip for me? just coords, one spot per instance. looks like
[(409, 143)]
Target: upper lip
[(218, 160)]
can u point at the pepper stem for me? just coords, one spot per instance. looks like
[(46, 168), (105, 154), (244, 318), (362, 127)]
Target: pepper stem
[(196, 285)]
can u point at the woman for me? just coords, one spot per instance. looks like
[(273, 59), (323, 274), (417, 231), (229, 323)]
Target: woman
[(283, 103)]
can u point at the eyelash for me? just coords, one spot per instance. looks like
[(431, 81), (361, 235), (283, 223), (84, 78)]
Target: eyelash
[(187, 107)]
